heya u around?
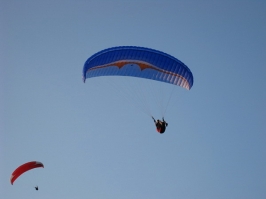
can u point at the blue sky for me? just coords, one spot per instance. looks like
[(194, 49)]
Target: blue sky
[(92, 142)]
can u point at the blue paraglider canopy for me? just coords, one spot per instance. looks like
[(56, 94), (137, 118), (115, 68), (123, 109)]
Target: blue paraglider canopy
[(138, 62)]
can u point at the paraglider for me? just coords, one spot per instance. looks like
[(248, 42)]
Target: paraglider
[(24, 168), (36, 188), (139, 62), (160, 125)]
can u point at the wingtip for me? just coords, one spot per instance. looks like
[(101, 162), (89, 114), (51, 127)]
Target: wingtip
[(84, 79), (11, 181)]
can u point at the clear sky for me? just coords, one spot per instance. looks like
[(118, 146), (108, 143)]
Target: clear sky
[(94, 144)]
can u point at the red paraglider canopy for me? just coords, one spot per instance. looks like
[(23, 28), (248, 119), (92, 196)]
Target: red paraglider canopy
[(23, 168)]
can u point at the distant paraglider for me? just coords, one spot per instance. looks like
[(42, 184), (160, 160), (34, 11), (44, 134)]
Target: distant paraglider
[(36, 188), (24, 168)]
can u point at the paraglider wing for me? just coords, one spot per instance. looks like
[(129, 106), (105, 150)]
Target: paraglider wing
[(138, 62), (24, 168)]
